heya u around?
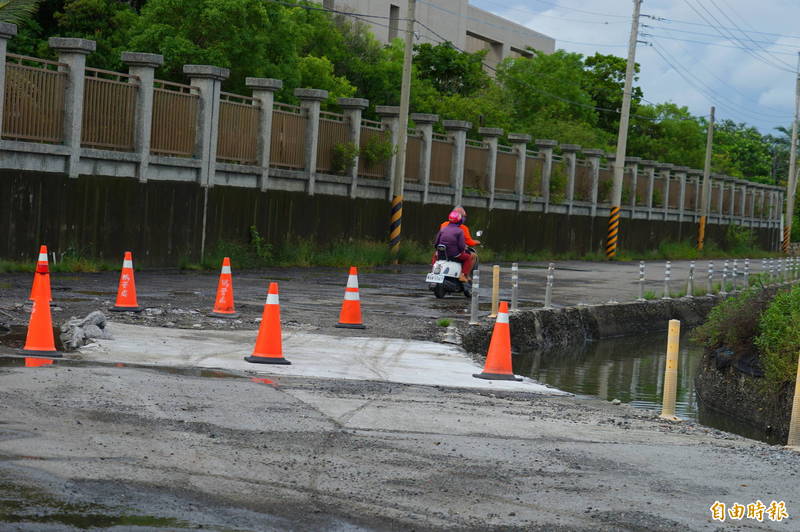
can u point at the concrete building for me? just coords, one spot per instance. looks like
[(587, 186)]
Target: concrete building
[(466, 26)]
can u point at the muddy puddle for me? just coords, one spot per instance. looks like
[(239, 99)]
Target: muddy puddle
[(631, 370), (15, 338)]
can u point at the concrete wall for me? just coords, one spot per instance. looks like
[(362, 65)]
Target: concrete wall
[(162, 221)]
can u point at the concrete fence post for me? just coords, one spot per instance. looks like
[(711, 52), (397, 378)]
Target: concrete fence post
[(570, 152), (731, 198), (208, 80), (7, 31), (72, 52), (751, 212), (665, 169), (545, 147), (697, 179), (593, 156), (490, 137), (424, 124), (311, 103), (143, 66), (352, 109), (390, 118), (743, 202), (264, 90), (650, 174), (632, 163), (721, 198), (519, 144), (458, 130), (680, 173)]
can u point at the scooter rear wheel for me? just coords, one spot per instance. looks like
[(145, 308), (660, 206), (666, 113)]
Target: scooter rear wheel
[(439, 291)]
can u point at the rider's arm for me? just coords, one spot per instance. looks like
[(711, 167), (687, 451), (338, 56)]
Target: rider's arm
[(468, 237)]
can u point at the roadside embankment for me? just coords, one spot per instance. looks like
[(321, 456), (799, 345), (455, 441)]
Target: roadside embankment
[(559, 327)]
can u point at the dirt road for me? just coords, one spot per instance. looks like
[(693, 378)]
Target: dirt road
[(127, 446)]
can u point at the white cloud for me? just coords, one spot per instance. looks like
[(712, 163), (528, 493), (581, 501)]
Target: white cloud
[(756, 87)]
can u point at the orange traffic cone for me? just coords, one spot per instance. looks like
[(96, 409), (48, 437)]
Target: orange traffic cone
[(498, 359), (223, 304), (41, 279), (350, 316), (35, 362), (126, 293), (40, 339), (269, 349)]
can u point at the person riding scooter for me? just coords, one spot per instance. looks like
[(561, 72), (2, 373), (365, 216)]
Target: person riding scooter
[(452, 237), (468, 240)]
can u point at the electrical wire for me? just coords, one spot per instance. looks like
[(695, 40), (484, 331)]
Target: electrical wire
[(547, 15)]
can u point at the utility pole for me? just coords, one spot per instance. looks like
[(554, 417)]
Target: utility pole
[(622, 140), (705, 198), (791, 185), (396, 222)]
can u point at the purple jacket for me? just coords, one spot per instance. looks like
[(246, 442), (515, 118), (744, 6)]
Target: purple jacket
[(453, 238)]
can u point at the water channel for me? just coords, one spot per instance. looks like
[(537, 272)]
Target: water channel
[(632, 370)]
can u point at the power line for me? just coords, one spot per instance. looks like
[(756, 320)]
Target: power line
[(691, 23), (694, 41), (704, 34), (534, 14)]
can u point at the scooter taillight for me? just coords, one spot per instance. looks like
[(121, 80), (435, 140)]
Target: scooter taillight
[(437, 269)]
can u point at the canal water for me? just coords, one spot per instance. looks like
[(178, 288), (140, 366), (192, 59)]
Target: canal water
[(632, 370)]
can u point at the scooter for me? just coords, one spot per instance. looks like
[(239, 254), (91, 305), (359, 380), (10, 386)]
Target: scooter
[(443, 278)]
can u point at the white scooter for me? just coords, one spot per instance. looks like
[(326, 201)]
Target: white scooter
[(443, 278)]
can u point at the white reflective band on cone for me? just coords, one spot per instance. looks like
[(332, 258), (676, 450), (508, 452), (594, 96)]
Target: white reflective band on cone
[(351, 296), (127, 264), (272, 299), (226, 269), (502, 317), (352, 281), (42, 257)]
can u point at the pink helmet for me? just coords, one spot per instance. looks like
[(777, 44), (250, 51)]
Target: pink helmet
[(455, 217)]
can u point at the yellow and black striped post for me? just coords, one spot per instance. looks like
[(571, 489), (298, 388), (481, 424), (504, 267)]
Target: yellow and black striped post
[(701, 234), (787, 238), (395, 226), (613, 233)]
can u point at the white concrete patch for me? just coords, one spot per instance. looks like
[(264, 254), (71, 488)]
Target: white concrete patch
[(312, 355)]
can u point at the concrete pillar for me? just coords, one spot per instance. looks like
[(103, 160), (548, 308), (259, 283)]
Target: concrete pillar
[(633, 164), (751, 212), (742, 199), (545, 147), (665, 170), (264, 90), (519, 145), (352, 109), (73, 51), (144, 67), (310, 102), (570, 152), (7, 31), (593, 156), (696, 180), (458, 130), (208, 80), (390, 117), (490, 136), (732, 197), (680, 173), (721, 195), (425, 124), (650, 174)]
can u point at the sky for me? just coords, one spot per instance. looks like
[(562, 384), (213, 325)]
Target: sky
[(743, 59)]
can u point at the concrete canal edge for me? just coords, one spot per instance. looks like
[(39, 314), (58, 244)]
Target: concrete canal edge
[(561, 327)]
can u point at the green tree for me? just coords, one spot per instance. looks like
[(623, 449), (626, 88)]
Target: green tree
[(604, 80), (108, 22), (741, 151), (668, 133), (450, 71), (17, 10)]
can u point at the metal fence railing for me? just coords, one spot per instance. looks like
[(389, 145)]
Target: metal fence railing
[(413, 154), (34, 99), (175, 115), (370, 132), (288, 136), (534, 169), (583, 181), (334, 130), (109, 110), (237, 141), (506, 169), (476, 158)]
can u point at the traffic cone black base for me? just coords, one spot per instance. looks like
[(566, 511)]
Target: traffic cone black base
[(349, 326), (126, 309), (268, 360), (225, 316), (48, 354), (496, 377)]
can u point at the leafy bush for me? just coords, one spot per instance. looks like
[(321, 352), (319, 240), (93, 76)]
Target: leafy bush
[(558, 184), (344, 157), (377, 149), (779, 338), (604, 190), (658, 198), (739, 239), (734, 322)]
